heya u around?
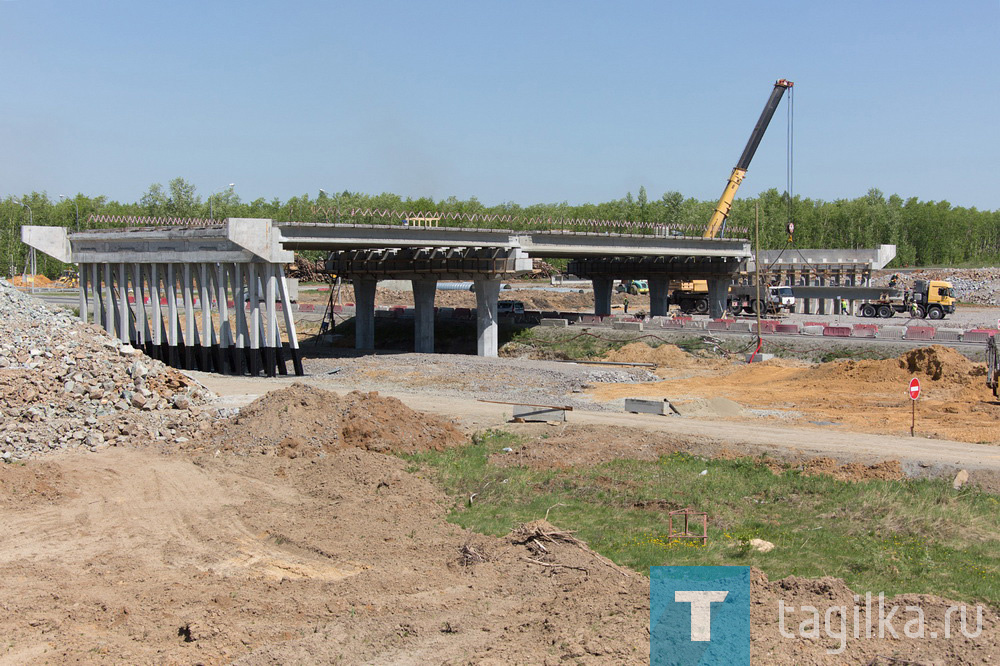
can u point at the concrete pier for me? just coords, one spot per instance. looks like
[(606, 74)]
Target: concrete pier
[(423, 325), (487, 334), (659, 297), (602, 296), (364, 317)]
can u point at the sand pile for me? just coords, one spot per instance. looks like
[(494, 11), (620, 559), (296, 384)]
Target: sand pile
[(935, 363), (667, 355), (887, 470), (303, 420), (27, 281)]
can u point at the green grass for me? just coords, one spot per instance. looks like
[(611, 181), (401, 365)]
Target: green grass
[(573, 345), (856, 353), (917, 536)]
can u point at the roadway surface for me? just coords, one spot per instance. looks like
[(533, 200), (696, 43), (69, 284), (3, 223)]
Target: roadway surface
[(916, 453)]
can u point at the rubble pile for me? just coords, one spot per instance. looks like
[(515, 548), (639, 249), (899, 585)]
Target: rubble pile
[(65, 385), (979, 286)]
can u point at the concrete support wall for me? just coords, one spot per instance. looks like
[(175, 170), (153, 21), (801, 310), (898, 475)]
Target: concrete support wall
[(487, 295), (423, 325), (718, 291), (127, 299), (602, 296), (364, 313), (659, 298)]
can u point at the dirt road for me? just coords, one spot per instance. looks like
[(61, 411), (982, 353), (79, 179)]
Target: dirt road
[(935, 454)]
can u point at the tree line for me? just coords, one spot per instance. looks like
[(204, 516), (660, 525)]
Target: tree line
[(925, 232)]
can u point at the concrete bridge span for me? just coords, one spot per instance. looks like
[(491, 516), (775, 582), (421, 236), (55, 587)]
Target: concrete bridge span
[(189, 284)]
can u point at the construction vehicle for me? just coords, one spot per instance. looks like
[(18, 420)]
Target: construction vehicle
[(634, 287), (718, 220), (692, 298), (931, 299), (69, 279)]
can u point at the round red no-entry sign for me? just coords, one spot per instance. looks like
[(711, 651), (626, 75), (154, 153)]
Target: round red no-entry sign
[(914, 388)]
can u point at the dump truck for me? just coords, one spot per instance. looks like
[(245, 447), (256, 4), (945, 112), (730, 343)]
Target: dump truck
[(931, 299)]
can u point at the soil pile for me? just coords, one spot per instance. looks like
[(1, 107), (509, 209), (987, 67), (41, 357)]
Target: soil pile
[(64, 384), (303, 420), (887, 470), (667, 355), (936, 363), (29, 280)]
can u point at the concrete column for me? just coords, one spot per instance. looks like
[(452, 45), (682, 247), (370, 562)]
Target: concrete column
[(423, 326), (718, 292), (83, 292), (124, 320), (95, 288), (602, 296), (659, 298), (821, 304), (109, 302), (487, 295), (364, 313)]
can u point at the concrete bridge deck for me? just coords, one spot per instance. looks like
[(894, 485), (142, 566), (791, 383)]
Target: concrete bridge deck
[(239, 261)]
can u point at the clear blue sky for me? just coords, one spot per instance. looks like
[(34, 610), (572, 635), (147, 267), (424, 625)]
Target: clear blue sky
[(508, 101)]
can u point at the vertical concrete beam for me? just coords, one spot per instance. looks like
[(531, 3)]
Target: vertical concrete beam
[(659, 298), (423, 326), (487, 295), (821, 302), (124, 320), (718, 293), (141, 325), (154, 302), (189, 323), (173, 326), (271, 334), (254, 323), (240, 304), (83, 292), (109, 302), (602, 296), (95, 287), (293, 338), (364, 313)]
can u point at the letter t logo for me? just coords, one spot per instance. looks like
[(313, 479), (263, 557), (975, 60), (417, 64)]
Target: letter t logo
[(701, 610)]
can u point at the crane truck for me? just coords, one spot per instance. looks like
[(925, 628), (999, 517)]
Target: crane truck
[(692, 296)]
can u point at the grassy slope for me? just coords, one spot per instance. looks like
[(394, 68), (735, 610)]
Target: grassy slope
[(891, 536)]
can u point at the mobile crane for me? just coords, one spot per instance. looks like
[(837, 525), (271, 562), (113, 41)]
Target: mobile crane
[(718, 219), (693, 296)]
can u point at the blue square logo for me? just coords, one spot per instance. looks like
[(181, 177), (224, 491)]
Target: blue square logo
[(699, 615)]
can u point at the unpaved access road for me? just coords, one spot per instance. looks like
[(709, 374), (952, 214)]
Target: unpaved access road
[(933, 456)]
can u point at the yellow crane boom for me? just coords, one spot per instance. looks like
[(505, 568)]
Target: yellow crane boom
[(739, 172)]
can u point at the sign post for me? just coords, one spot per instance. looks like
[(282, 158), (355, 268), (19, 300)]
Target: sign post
[(914, 391)]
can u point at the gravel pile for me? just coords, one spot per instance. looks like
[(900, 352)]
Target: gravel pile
[(980, 286), (67, 385)]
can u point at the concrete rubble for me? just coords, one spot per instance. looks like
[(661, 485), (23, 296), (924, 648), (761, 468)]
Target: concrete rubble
[(68, 385), (980, 286)]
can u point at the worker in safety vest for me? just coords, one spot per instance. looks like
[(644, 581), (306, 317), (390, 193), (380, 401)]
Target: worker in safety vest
[(845, 306), (626, 305)]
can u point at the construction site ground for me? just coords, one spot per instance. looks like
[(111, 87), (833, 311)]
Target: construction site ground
[(282, 528)]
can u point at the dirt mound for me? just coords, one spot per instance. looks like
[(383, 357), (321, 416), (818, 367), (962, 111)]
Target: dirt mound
[(667, 355), (303, 420), (942, 363), (29, 280), (936, 363), (887, 470)]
